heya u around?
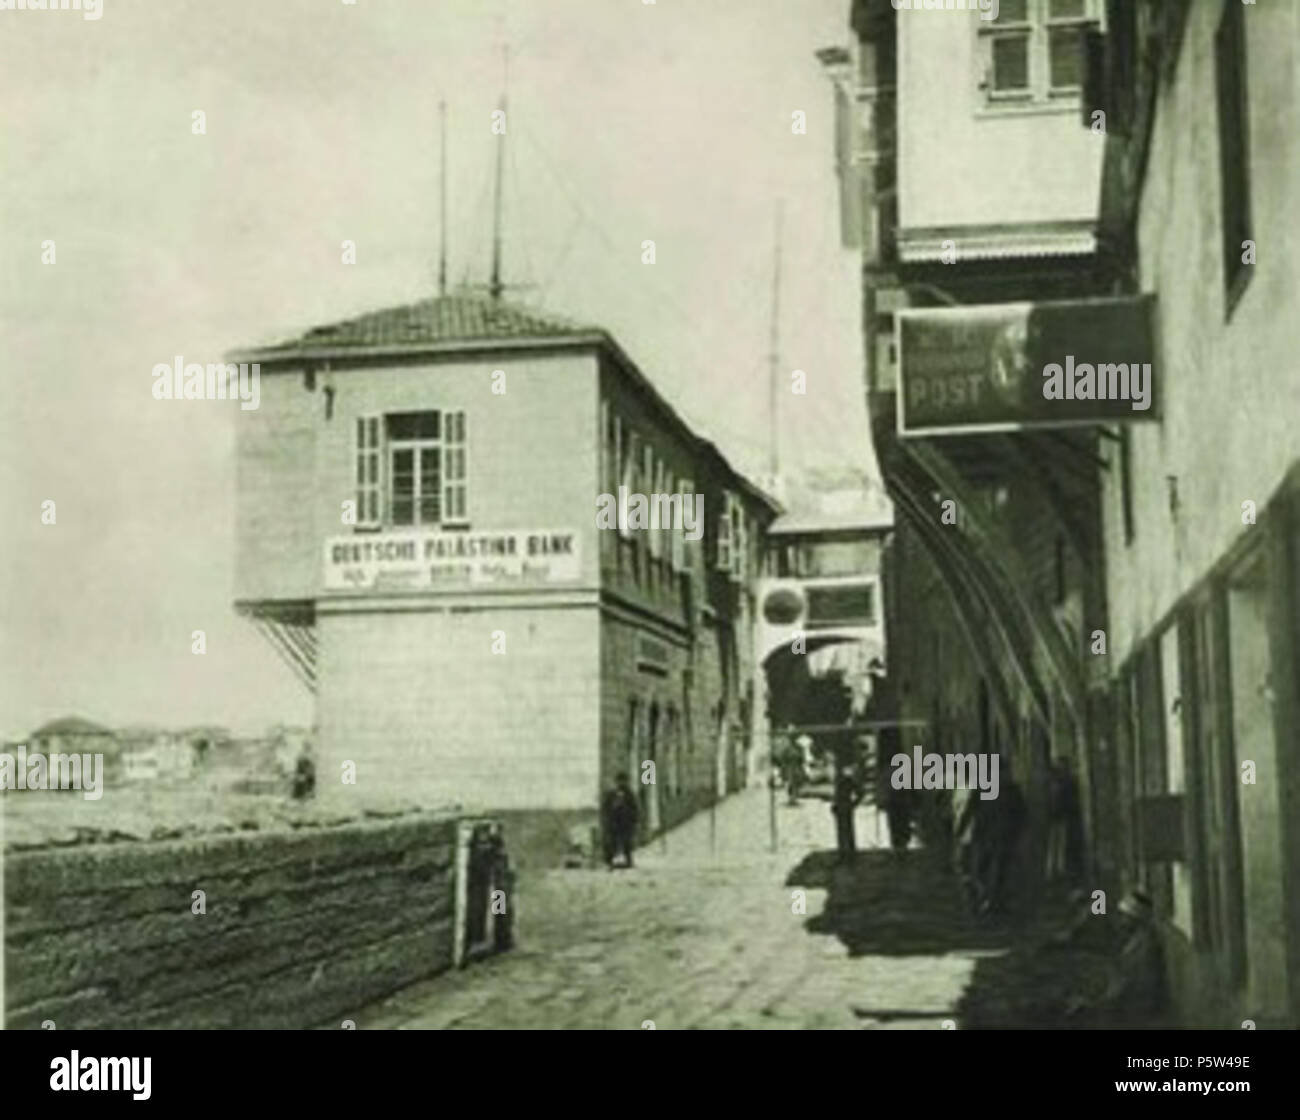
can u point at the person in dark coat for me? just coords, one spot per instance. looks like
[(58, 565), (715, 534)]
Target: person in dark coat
[(1064, 829), (897, 803), (1006, 820), (619, 817), (304, 777), (843, 802)]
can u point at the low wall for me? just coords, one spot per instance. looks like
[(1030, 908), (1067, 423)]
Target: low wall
[(301, 927)]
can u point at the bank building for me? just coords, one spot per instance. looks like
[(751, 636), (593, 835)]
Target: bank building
[(417, 536)]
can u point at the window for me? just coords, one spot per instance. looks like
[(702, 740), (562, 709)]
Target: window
[(615, 482), (804, 559), (367, 459), (1034, 51), (629, 476), (427, 469), (724, 561), (607, 460), (1066, 24), (1234, 148), (668, 531), (685, 548), (654, 470), (739, 540)]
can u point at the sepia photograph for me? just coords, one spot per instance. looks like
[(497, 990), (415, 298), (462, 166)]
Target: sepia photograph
[(645, 515)]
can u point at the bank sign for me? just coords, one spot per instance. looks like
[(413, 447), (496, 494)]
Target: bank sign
[(432, 561), (1007, 366)]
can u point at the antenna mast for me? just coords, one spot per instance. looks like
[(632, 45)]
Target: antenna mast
[(496, 287), (442, 198), (774, 353)]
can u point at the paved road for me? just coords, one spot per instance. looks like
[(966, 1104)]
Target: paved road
[(705, 932)]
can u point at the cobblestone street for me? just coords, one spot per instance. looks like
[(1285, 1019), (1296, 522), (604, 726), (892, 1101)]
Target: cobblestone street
[(702, 933)]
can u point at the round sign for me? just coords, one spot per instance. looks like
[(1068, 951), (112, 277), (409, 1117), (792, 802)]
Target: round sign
[(783, 606)]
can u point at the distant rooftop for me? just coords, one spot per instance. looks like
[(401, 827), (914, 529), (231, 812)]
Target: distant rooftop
[(71, 725), (838, 509), (457, 318)]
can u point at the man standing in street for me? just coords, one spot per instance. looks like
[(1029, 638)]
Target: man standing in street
[(843, 803), (620, 814), (883, 714)]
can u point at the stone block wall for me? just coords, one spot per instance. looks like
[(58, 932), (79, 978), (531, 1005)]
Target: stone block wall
[(301, 927)]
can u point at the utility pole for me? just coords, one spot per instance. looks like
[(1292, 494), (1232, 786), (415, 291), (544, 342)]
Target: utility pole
[(442, 198), (774, 448), (774, 351)]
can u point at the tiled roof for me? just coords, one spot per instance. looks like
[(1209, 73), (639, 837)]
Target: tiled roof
[(452, 318)]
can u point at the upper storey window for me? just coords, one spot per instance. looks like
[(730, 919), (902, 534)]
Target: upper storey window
[(411, 470), (1032, 53)]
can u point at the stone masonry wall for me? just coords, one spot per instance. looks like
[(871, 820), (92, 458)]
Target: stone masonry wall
[(301, 927)]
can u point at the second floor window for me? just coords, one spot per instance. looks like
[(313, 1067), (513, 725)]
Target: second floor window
[(1032, 54), (423, 457), (415, 468)]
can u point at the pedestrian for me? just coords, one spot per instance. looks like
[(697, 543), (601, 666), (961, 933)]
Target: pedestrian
[(843, 803), (304, 776), (882, 713), (620, 814), (1007, 824), (794, 768), (966, 836), (1064, 823)]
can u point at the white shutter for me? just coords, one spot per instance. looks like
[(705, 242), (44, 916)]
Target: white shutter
[(737, 539), (724, 561), (454, 469), (367, 460)]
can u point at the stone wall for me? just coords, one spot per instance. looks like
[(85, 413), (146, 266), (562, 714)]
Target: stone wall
[(301, 927)]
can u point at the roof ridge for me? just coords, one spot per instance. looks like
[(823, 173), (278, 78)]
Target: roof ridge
[(452, 317)]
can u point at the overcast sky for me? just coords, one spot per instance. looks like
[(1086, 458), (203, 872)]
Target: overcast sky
[(627, 121)]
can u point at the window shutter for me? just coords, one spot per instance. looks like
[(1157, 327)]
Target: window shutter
[(687, 547), (675, 532), (666, 527), (608, 464), (647, 489), (652, 488), (454, 469), (723, 560), (631, 449), (367, 471), (739, 539)]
